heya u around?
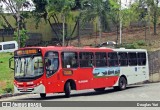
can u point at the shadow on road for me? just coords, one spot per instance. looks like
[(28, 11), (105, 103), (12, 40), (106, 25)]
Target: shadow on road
[(90, 93)]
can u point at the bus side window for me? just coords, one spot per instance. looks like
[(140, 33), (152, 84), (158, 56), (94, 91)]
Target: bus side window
[(69, 60), (101, 60), (132, 58), (9, 46), (123, 58), (86, 59), (112, 59), (142, 58), (51, 62)]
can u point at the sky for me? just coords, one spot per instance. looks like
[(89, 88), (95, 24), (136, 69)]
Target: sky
[(125, 4), (24, 9)]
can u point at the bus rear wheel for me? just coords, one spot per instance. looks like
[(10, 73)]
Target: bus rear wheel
[(67, 90), (43, 95), (121, 84), (99, 89)]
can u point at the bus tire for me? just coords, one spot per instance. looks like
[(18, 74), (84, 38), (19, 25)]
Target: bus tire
[(116, 88), (43, 95), (121, 84), (67, 90), (99, 89)]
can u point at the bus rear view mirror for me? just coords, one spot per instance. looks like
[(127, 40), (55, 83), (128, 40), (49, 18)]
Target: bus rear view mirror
[(10, 63)]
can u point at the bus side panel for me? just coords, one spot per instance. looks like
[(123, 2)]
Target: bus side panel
[(130, 73), (54, 84), (135, 74), (104, 81), (84, 76), (105, 76)]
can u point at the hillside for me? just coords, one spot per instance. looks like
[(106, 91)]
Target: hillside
[(132, 35)]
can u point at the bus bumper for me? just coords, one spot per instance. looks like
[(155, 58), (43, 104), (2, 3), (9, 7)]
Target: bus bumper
[(37, 89)]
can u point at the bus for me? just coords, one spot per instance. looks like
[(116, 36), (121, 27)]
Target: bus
[(52, 69), (9, 46)]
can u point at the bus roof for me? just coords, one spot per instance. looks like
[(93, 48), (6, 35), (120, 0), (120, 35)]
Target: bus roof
[(129, 50), (69, 48), (72, 48)]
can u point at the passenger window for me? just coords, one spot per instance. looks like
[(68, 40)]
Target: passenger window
[(112, 59), (8, 46), (0, 47), (51, 63), (69, 59), (86, 59), (123, 59), (132, 57), (141, 58), (101, 60)]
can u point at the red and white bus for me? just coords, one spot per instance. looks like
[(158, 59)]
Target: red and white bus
[(52, 69)]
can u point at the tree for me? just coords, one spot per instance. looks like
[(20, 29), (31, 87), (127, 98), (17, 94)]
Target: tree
[(24, 37), (153, 12), (96, 9), (15, 7), (50, 9), (62, 7), (114, 15)]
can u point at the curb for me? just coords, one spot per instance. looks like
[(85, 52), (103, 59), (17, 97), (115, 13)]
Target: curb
[(10, 95)]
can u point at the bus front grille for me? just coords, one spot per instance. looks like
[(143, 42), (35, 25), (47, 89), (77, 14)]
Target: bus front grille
[(25, 89)]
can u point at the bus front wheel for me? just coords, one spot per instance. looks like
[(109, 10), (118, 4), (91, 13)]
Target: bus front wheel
[(43, 95), (67, 89)]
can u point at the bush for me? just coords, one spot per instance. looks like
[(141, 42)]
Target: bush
[(23, 37), (130, 46), (134, 45), (141, 43), (9, 87)]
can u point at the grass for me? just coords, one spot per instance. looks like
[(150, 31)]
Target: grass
[(6, 74)]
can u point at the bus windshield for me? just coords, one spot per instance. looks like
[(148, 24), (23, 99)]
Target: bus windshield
[(28, 67)]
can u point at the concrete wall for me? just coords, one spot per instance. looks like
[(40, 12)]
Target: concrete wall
[(154, 65), (43, 28)]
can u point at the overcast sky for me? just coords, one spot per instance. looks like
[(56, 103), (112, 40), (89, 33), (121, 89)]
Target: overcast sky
[(125, 3)]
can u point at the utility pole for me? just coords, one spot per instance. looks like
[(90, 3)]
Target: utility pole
[(18, 28), (100, 30), (63, 42), (149, 21), (120, 31), (78, 28)]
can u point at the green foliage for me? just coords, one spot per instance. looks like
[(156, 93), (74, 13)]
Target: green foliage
[(114, 12), (9, 87), (59, 6), (132, 14), (101, 9), (134, 45), (23, 37), (141, 43), (130, 46), (40, 11)]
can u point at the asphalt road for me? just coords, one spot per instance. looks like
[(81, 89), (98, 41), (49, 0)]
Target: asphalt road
[(143, 92)]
